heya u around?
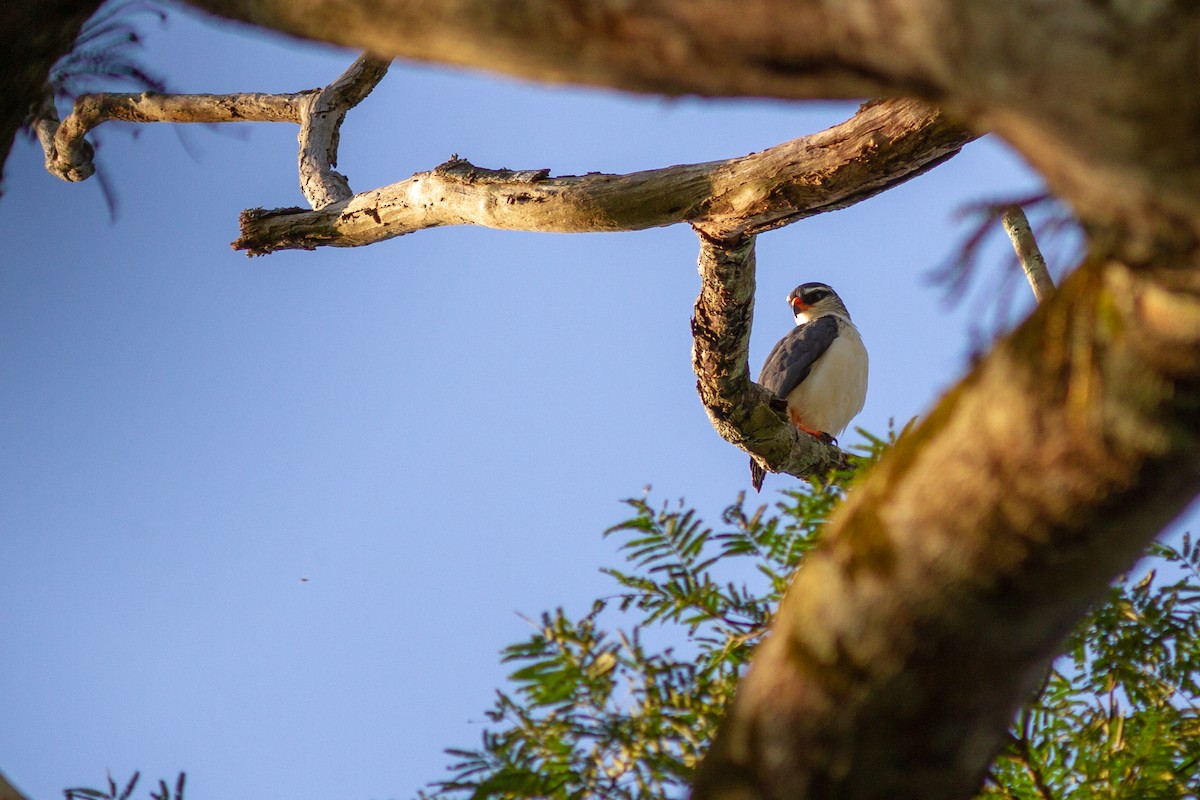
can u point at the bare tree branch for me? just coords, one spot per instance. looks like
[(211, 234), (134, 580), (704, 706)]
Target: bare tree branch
[(1016, 225), (883, 145), (70, 156), (321, 116), (38, 33), (1106, 143), (945, 583), (45, 123), (319, 112), (742, 412)]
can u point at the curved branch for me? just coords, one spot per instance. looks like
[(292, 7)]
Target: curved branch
[(70, 156), (38, 35), (321, 117), (319, 112), (1016, 225), (884, 144), (742, 412)]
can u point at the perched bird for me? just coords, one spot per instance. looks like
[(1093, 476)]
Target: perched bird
[(819, 368)]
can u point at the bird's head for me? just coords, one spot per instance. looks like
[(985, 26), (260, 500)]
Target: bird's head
[(812, 300)]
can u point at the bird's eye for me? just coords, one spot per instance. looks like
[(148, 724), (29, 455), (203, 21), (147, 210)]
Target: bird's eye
[(815, 295)]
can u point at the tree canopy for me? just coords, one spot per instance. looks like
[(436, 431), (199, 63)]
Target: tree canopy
[(947, 580)]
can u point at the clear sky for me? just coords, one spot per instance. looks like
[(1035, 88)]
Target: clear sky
[(432, 431)]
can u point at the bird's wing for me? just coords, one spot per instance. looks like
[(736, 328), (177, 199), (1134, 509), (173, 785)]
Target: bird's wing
[(793, 357)]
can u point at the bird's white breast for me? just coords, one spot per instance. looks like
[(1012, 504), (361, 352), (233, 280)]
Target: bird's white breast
[(836, 388)]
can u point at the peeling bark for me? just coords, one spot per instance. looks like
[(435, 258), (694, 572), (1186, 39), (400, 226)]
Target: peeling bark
[(1095, 95), (38, 33), (321, 117), (882, 146)]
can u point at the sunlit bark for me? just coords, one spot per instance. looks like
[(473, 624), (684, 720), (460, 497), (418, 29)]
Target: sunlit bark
[(947, 580)]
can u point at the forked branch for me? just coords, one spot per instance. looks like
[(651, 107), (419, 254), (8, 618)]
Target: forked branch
[(319, 112), (884, 144)]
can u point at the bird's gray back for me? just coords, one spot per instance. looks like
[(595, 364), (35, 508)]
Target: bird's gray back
[(792, 358)]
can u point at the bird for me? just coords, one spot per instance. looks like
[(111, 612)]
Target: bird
[(819, 368)]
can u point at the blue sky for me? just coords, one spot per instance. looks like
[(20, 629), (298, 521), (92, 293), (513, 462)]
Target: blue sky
[(432, 431)]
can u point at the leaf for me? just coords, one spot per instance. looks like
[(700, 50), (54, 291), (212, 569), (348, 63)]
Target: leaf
[(129, 787), (624, 702)]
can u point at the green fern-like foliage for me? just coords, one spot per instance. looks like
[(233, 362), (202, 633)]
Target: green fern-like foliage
[(1119, 715), (623, 701)]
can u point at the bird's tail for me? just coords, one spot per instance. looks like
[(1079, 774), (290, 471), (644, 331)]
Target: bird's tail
[(757, 473)]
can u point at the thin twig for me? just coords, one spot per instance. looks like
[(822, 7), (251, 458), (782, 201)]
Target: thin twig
[(1016, 225)]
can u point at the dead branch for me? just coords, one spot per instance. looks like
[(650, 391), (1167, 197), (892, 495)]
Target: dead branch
[(70, 156), (1016, 225), (319, 112), (321, 116), (947, 580), (884, 144), (1109, 146)]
